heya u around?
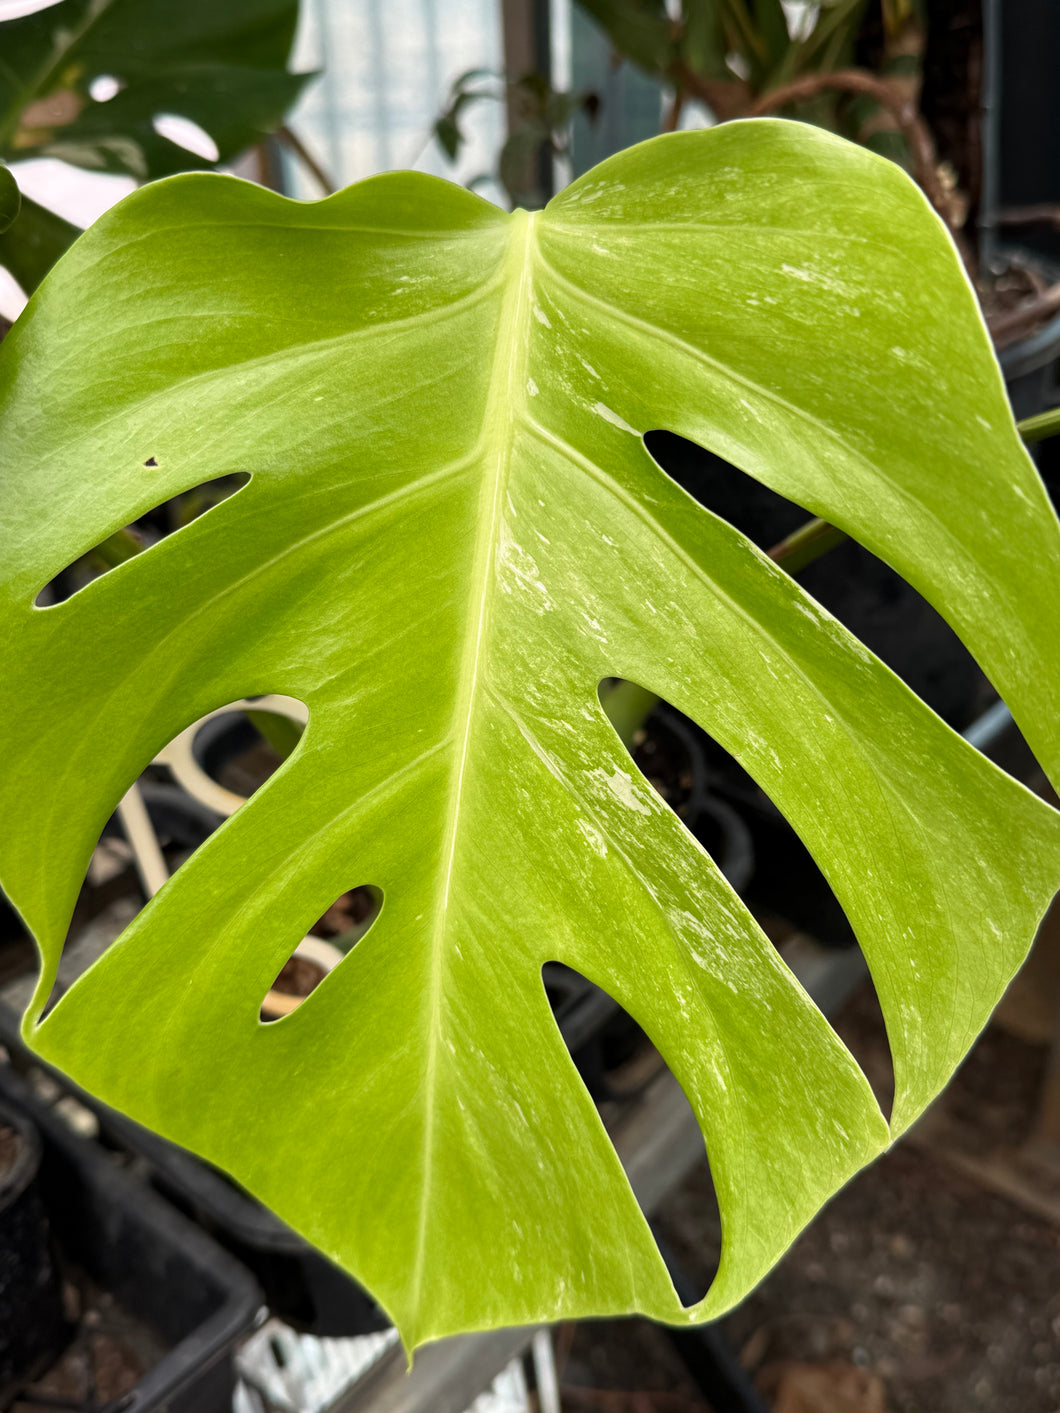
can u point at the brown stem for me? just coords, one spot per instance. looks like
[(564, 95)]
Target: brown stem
[(292, 141), (807, 543), (726, 98), (1044, 214), (673, 112), (1006, 328)]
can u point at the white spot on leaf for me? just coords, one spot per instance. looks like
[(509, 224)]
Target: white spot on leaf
[(614, 419), (620, 786), (594, 838)]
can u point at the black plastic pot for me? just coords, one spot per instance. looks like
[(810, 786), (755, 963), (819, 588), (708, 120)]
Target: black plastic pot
[(301, 1285), (676, 748), (785, 880), (298, 1283), (33, 1329), (113, 1230), (1030, 365)]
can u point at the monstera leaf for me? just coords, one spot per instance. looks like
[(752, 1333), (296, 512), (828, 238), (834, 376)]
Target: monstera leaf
[(451, 533)]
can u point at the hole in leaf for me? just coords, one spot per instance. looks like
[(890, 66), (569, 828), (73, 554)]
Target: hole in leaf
[(734, 820), (332, 937), (225, 756), (619, 1064), (166, 518), (104, 87), (157, 826), (349, 917), (145, 841), (233, 750), (669, 751), (877, 605), (183, 132), (748, 505), (859, 1023)]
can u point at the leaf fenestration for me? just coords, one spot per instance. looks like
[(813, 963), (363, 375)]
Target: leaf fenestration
[(452, 534)]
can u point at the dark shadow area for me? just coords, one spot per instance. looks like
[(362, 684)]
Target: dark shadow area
[(167, 518), (868, 597)]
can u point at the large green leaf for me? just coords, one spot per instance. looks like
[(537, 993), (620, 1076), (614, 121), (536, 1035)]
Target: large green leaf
[(452, 533), (223, 66)]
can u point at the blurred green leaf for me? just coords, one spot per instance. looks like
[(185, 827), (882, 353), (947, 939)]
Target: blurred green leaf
[(772, 24), (703, 45), (640, 31), (447, 127), (222, 66), (9, 198), (33, 242), (449, 136), (516, 166)]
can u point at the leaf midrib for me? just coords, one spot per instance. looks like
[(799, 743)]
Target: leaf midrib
[(503, 398)]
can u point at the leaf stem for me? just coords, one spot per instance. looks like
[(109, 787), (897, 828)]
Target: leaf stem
[(117, 548), (1038, 428), (294, 143), (806, 544)]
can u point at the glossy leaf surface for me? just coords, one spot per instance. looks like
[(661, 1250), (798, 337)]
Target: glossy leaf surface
[(452, 533)]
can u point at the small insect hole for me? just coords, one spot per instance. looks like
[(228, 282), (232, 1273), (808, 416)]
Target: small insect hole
[(151, 461)]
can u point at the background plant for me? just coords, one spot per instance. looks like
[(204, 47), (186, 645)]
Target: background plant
[(87, 81)]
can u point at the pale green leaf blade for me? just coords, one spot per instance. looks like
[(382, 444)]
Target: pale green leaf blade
[(452, 533)]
